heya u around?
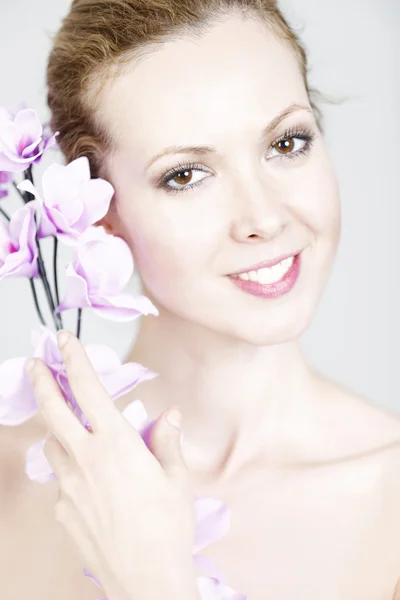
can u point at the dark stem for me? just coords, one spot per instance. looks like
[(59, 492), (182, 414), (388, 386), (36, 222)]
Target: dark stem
[(46, 285), (55, 255), (35, 299), (19, 191), (5, 215), (41, 266), (27, 196), (78, 326)]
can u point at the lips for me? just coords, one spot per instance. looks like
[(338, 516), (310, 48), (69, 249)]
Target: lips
[(271, 290), (267, 263)]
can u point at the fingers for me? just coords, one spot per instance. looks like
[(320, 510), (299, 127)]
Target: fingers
[(58, 416), (56, 456), (165, 443), (89, 393)]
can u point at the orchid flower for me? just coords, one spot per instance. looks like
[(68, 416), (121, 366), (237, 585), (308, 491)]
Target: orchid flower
[(21, 140), (71, 202), (5, 179), (17, 401), (18, 250), (93, 281)]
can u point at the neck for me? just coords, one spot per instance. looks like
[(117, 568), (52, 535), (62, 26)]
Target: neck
[(238, 400)]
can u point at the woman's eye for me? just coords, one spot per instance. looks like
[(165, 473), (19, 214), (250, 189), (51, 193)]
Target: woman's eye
[(290, 145), (183, 178)]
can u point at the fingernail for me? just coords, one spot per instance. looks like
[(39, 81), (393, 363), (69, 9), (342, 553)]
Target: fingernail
[(62, 338), (30, 365), (174, 418)]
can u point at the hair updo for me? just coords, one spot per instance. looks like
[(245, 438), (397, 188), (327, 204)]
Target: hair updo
[(99, 37)]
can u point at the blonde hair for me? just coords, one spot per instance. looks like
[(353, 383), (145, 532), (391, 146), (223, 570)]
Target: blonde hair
[(98, 37)]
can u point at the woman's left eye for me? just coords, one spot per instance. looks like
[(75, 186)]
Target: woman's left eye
[(290, 146)]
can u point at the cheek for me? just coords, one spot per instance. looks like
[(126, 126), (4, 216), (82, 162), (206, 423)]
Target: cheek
[(318, 200), (170, 248)]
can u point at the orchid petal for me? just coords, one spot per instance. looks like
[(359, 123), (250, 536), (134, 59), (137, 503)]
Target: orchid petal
[(135, 413), (9, 139), (98, 194), (76, 292), (23, 260), (5, 240), (60, 189), (123, 307), (17, 400), (27, 186), (37, 467), (213, 519), (27, 125), (207, 564), (12, 164), (98, 258)]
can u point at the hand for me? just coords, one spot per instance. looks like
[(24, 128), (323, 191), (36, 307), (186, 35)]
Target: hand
[(130, 511)]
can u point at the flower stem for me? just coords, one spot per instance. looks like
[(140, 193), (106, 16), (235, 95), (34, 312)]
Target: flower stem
[(28, 175), (46, 285), (55, 255), (35, 299), (5, 215), (41, 265), (78, 326), (19, 191)]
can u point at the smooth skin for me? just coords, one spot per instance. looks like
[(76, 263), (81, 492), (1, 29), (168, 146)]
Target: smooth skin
[(310, 469)]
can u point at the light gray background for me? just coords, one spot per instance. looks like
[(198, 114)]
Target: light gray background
[(354, 52)]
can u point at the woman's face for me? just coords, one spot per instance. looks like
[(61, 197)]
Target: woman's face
[(192, 219)]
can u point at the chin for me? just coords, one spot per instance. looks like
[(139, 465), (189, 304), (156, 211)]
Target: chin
[(276, 326), (272, 336)]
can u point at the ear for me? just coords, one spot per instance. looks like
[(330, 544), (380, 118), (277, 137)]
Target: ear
[(108, 226), (112, 222)]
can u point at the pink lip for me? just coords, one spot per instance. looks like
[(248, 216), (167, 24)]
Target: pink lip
[(271, 290), (266, 264)]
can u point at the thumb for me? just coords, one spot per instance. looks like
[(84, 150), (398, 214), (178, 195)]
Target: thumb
[(165, 441)]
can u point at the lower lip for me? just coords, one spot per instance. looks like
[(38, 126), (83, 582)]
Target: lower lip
[(271, 290)]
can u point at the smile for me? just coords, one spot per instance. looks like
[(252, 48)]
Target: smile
[(271, 282)]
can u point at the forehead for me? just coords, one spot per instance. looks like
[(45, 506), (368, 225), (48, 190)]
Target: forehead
[(234, 79)]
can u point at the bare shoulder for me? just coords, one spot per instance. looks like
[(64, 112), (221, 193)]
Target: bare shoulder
[(362, 427), (370, 433)]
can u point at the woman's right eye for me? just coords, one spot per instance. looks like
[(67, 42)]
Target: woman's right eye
[(183, 179)]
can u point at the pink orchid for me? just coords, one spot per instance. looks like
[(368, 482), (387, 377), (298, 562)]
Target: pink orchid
[(72, 201), (21, 140), (92, 280), (5, 180), (18, 250), (17, 401)]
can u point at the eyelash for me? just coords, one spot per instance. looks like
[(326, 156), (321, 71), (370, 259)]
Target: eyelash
[(303, 134)]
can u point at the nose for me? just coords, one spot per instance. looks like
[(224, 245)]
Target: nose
[(259, 213)]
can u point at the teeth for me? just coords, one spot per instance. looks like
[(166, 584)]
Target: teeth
[(271, 275)]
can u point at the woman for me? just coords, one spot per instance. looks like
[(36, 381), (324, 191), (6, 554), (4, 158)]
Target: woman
[(308, 468)]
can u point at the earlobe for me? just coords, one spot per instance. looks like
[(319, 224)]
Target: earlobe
[(107, 226)]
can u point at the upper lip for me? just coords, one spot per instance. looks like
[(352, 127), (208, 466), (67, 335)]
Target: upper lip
[(267, 263)]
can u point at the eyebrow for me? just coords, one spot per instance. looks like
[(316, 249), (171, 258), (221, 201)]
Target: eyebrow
[(203, 150)]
